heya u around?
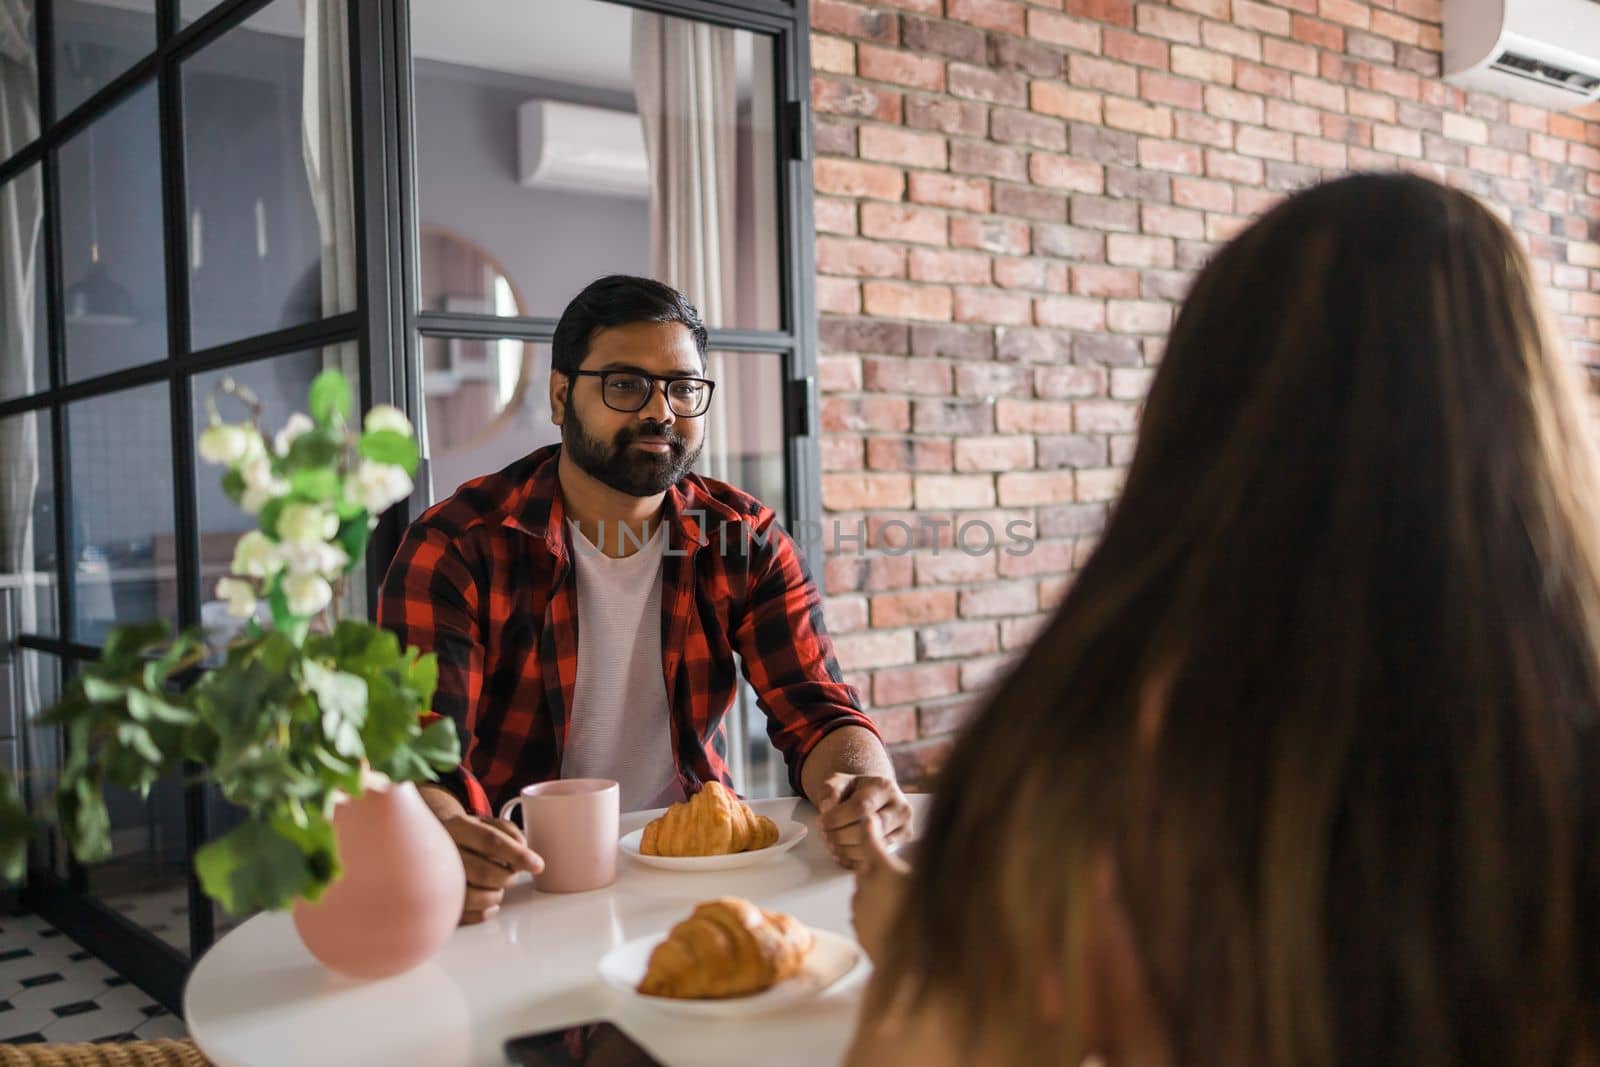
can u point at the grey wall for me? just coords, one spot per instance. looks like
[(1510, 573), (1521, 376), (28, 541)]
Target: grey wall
[(550, 243)]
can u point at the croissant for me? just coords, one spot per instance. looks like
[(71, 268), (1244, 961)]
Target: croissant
[(727, 948), (713, 822)]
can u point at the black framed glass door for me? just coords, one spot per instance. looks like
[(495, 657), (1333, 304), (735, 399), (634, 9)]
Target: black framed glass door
[(177, 225), (545, 146), (187, 192)]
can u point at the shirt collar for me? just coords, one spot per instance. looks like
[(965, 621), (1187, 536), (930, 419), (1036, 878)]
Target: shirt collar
[(535, 507)]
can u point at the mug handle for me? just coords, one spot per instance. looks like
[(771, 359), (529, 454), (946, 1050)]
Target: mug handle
[(509, 806)]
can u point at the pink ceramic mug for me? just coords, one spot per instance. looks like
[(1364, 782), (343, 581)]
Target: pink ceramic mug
[(572, 824)]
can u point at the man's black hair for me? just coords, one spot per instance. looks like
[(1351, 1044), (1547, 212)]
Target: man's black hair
[(617, 300)]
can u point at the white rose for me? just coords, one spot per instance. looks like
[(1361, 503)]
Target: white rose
[(253, 500), (307, 594), (387, 417), (225, 442), (380, 484), (255, 556), (306, 524), (297, 425), (240, 595), (320, 558)]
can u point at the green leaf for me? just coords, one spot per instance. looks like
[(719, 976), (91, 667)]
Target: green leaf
[(148, 707), (127, 643), (269, 515), (16, 830), (343, 700), (101, 691), (233, 485), (423, 676), (314, 448), (158, 671), (330, 397), (438, 745), (317, 484), (268, 864), (278, 603), (84, 820), (387, 446), (353, 537), (136, 739)]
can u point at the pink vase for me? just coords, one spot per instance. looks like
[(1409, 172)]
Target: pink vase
[(400, 893)]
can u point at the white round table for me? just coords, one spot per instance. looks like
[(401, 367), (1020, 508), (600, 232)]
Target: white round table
[(259, 998)]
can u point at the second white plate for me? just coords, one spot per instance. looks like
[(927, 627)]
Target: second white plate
[(832, 958)]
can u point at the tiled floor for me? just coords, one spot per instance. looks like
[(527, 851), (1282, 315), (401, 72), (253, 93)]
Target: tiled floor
[(52, 989)]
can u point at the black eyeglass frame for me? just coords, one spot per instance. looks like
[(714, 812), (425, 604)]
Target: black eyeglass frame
[(605, 377)]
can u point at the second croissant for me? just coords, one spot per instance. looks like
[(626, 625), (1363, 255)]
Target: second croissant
[(713, 822)]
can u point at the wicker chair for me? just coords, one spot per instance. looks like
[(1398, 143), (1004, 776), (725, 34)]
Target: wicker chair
[(162, 1053)]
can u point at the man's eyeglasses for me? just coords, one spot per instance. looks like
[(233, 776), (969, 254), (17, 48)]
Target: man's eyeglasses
[(629, 391)]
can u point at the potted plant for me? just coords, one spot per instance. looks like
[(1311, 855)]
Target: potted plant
[(309, 723)]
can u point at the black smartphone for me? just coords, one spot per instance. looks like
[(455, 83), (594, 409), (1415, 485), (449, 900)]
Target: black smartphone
[(596, 1044)]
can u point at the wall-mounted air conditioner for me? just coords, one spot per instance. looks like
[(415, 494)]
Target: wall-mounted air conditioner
[(1546, 52), (581, 149)]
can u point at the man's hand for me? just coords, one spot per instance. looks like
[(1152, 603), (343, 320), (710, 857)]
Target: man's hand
[(846, 802), (492, 851), (880, 887)]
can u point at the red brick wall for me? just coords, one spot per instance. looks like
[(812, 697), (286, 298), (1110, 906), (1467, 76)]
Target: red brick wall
[(1010, 199)]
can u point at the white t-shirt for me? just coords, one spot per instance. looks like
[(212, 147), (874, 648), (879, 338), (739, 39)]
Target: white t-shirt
[(621, 724)]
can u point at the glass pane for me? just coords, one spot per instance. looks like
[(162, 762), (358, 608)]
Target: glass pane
[(566, 142), (24, 327), (146, 880), (191, 10), (280, 385), (122, 546), (111, 241), (35, 686), (97, 42), (486, 404), (745, 445), (19, 78), (258, 257), (27, 528)]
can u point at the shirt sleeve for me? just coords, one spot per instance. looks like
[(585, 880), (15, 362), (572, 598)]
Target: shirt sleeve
[(787, 655), (430, 600)]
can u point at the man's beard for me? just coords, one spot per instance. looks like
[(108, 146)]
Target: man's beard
[(626, 469)]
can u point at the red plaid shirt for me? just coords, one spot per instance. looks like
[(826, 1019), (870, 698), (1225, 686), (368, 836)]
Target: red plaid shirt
[(485, 580)]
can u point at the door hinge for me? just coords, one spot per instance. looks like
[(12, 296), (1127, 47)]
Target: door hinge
[(798, 121), (800, 413)]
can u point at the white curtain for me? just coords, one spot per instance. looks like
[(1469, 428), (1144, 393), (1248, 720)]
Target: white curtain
[(20, 205), (325, 125), (325, 121), (685, 82)]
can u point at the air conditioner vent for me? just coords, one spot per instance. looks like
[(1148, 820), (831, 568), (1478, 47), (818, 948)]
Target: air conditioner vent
[(1575, 82), (1540, 52)]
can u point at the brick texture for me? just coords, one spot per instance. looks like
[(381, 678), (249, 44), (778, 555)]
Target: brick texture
[(1012, 196)]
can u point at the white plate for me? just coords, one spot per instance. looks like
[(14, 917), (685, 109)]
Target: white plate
[(790, 834), (831, 959)]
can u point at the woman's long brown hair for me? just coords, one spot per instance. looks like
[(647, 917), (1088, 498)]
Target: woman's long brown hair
[(1357, 558)]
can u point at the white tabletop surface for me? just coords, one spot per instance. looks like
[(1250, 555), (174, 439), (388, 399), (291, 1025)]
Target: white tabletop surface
[(259, 998)]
